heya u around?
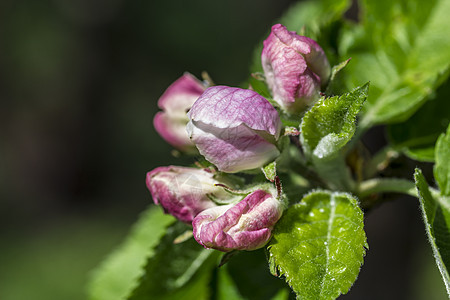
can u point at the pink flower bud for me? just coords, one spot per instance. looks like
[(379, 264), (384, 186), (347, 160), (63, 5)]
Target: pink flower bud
[(183, 192), (175, 102), (244, 226), (233, 128), (295, 68)]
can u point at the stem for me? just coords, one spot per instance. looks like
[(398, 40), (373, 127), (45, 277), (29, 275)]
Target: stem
[(393, 185), (380, 185), (381, 160)]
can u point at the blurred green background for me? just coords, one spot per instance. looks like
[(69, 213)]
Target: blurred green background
[(79, 83)]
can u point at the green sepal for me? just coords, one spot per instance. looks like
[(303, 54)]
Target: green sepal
[(270, 171)]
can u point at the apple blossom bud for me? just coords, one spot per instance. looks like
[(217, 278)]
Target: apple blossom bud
[(183, 192), (295, 68), (246, 225), (175, 102), (233, 128)]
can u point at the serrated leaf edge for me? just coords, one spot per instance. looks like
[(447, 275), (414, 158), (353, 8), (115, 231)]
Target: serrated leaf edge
[(431, 239), (275, 268), (363, 89)]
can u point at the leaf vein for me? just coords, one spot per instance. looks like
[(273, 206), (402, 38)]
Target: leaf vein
[(327, 248)]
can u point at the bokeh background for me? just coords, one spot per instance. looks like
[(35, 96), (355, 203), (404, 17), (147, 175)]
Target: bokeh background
[(79, 83)]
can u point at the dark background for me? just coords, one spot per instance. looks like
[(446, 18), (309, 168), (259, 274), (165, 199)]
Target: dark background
[(79, 82)]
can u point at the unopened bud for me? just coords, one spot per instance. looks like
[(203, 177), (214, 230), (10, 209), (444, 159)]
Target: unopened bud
[(246, 225), (233, 128), (175, 102), (184, 192), (295, 67)]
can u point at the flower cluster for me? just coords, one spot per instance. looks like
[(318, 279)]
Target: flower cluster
[(235, 130)]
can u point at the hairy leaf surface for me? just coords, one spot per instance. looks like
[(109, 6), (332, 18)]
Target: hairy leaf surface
[(318, 245), (331, 123), (436, 216), (442, 166)]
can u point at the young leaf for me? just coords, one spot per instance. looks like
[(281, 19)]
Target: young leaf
[(403, 48), (174, 267), (331, 123), (436, 215), (442, 166), (417, 136), (259, 85), (227, 288), (249, 273), (318, 245), (116, 277), (334, 72)]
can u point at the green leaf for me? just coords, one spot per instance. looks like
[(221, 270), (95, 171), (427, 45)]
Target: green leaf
[(334, 72), (436, 215), (175, 269), (403, 48), (417, 136), (331, 122), (314, 15), (259, 85), (282, 295), (318, 245), (227, 289), (442, 166), (249, 275), (116, 277)]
